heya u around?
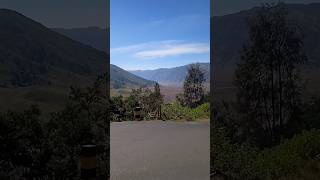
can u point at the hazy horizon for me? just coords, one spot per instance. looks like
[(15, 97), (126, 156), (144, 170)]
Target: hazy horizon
[(151, 69)]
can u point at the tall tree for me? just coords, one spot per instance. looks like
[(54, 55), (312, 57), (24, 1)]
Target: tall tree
[(267, 77), (158, 99), (157, 95), (193, 91)]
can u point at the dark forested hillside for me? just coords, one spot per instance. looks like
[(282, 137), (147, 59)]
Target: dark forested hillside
[(31, 54)]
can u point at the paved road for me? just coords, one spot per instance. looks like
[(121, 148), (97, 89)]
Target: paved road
[(156, 150)]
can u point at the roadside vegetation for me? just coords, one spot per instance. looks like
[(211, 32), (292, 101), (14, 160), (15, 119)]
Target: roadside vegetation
[(269, 131), (175, 111), (294, 158), (34, 146)]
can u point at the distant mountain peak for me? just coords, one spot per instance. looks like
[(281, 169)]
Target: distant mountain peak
[(171, 76)]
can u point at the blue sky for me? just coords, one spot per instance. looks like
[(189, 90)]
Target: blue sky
[(151, 34)]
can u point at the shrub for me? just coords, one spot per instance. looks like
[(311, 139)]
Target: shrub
[(233, 160), (34, 147), (176, 111), (202, 111), (287, 160)]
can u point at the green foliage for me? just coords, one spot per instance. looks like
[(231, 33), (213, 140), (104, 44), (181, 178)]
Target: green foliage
[(267, 77), (117, 108), (36, 147), (232, 159), (148, 100), (285, 161), (156, 97), (311, 113), (201, 112), (139, 97), (22, 137), (193, 91), (83, 121), (267, 133), (176, 111)]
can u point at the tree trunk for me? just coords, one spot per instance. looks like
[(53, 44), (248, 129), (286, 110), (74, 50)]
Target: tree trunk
[(273, 104), (280, 96)]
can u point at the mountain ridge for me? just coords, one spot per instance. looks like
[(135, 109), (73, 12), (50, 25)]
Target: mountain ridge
[(172, 76), (32, 53), (120, 78)]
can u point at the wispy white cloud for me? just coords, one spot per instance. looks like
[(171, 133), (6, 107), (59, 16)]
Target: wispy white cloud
[(173, 50), (160, 49), (140, 46)]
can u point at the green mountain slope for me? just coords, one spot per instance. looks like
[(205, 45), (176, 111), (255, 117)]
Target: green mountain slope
[(31, 54), (123, 79)]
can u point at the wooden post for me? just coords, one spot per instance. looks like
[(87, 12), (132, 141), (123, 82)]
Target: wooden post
[(137, 115), (88, 161)]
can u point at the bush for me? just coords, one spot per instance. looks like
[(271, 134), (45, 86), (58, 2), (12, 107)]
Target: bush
[(21, 146), (233, 160), (176, 111), (292, 159), (148, 100), (201, 112), (34, 147), (289, 158)]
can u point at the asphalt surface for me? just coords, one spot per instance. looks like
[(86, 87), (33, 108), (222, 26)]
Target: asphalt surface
[(156, 150)]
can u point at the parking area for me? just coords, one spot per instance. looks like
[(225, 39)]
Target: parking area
[(157, 150)]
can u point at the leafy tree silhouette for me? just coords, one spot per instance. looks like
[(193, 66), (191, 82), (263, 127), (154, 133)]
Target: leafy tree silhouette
[(267, 77)]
